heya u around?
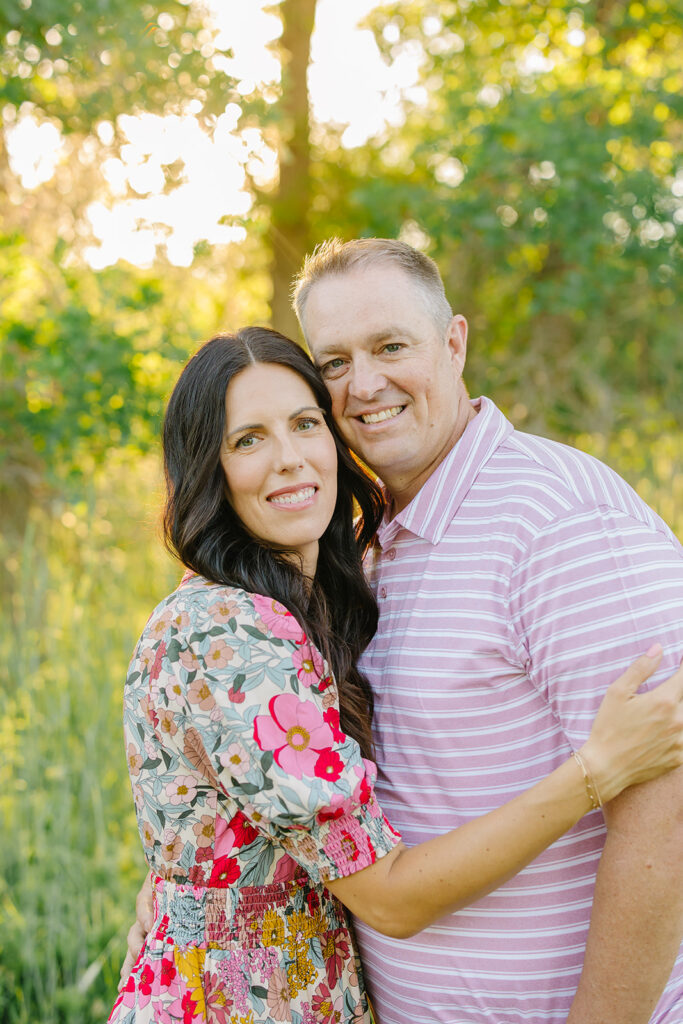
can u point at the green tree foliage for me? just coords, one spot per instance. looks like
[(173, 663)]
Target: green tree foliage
[(539, 163), (81, 62)]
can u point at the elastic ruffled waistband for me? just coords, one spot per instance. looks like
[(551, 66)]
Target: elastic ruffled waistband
[(253, 916)]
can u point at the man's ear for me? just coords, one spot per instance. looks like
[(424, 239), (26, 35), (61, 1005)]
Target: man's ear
[(456, 339)]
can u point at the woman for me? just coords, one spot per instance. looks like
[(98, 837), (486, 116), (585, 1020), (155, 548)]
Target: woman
[(248, 723)]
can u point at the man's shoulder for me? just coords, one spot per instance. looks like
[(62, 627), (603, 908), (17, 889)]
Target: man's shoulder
[(538, 480)]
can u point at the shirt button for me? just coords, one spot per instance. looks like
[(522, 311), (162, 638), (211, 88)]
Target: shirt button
[(391, 554), (382, 591)]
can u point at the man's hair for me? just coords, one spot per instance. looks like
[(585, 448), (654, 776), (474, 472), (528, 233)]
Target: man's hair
[(335, 257)]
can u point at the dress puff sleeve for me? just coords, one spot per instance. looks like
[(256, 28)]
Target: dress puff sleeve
[(255, 704)]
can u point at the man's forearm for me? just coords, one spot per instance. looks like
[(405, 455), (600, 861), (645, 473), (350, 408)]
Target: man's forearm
[(637, 918)]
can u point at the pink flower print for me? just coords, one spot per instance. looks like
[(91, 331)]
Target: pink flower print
[(158, 627), (223, 610), (236, 760), (236, 696), (196, 875), (205, 830), (329, 765), (218, 999), (135, 759), (308, 663), (331, 716), (219, 654), (167, 723), (225, 838), (180, 620), (147, 833), (285, 869), (182, 790), (148, 711), (138, 797), (326, 1009), (278, 997), (146, 659), (331, 696), (172, 846), (200, 693), (278, 619), (335, 952), (348, 844), (188, 659), (295, 732), (337, 807), (253, 814), (174, 690)]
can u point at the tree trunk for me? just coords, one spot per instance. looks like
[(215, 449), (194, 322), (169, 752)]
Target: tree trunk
[(288, 233)]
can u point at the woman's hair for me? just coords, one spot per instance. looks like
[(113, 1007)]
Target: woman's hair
[(338, 611)]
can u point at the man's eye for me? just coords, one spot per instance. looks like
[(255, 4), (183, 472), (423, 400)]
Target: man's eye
[(393, 346), (333, 366)]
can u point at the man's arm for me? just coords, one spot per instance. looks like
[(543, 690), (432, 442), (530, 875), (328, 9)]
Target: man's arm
[(637, 918), (593, 582)]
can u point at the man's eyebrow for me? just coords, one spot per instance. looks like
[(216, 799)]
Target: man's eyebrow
[(393, 331), (260, 426)]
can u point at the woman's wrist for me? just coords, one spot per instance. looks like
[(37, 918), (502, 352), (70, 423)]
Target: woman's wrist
[(602, 780)]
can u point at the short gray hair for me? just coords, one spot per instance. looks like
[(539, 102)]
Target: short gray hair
[(335, 257)]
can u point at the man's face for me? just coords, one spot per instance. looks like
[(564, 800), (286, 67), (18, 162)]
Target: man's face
[(394, 377)]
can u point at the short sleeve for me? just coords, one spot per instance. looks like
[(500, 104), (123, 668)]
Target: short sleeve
[(595, 588), (257, 710)]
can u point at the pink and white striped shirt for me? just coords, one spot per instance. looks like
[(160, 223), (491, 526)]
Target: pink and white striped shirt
[(517, 584)]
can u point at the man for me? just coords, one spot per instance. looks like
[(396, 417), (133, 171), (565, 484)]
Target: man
[(514, 577)]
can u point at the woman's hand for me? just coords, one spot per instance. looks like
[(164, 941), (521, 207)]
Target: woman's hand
[(136, 936), (636, 737)]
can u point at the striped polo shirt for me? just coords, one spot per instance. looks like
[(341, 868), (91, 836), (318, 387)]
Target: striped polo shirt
[(513, 589)]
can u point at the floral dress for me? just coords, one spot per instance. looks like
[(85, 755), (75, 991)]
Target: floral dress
[(249, 798)]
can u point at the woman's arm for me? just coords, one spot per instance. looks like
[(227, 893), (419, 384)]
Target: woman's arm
[(634, 738)]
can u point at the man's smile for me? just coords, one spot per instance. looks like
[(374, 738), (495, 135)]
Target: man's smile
[(381, 415)]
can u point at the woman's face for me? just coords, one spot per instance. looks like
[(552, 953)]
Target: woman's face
[(279, 459)]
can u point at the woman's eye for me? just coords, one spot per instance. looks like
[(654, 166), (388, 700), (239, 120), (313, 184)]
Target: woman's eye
[(248, 441), (393, 346), (308, 423)]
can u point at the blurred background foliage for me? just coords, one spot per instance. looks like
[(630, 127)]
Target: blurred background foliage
[(537, 158)]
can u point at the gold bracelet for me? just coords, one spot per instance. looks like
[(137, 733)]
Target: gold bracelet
[(591, 788)]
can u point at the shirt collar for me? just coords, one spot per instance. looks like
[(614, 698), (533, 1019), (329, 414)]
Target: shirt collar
[(440, 497)]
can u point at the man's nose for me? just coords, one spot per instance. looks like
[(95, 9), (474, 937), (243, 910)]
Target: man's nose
[(366, 379)]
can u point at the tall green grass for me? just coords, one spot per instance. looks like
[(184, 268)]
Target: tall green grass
[(70, 858), (85, 581)]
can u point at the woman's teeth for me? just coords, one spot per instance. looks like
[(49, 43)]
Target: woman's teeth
[(293, 499), (385, 414)]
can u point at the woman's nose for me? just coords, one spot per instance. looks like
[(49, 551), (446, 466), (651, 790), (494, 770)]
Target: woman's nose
[(289, 454)]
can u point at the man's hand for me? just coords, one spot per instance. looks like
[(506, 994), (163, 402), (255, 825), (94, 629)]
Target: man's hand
[(144, 906)]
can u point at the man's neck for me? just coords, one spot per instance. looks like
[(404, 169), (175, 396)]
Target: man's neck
[(402, 488)]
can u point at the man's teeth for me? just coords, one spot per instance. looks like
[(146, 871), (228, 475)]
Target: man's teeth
[(385, 414), (294, 498)]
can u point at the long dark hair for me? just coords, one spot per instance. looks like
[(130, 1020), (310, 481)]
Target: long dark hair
[(338, 611)]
